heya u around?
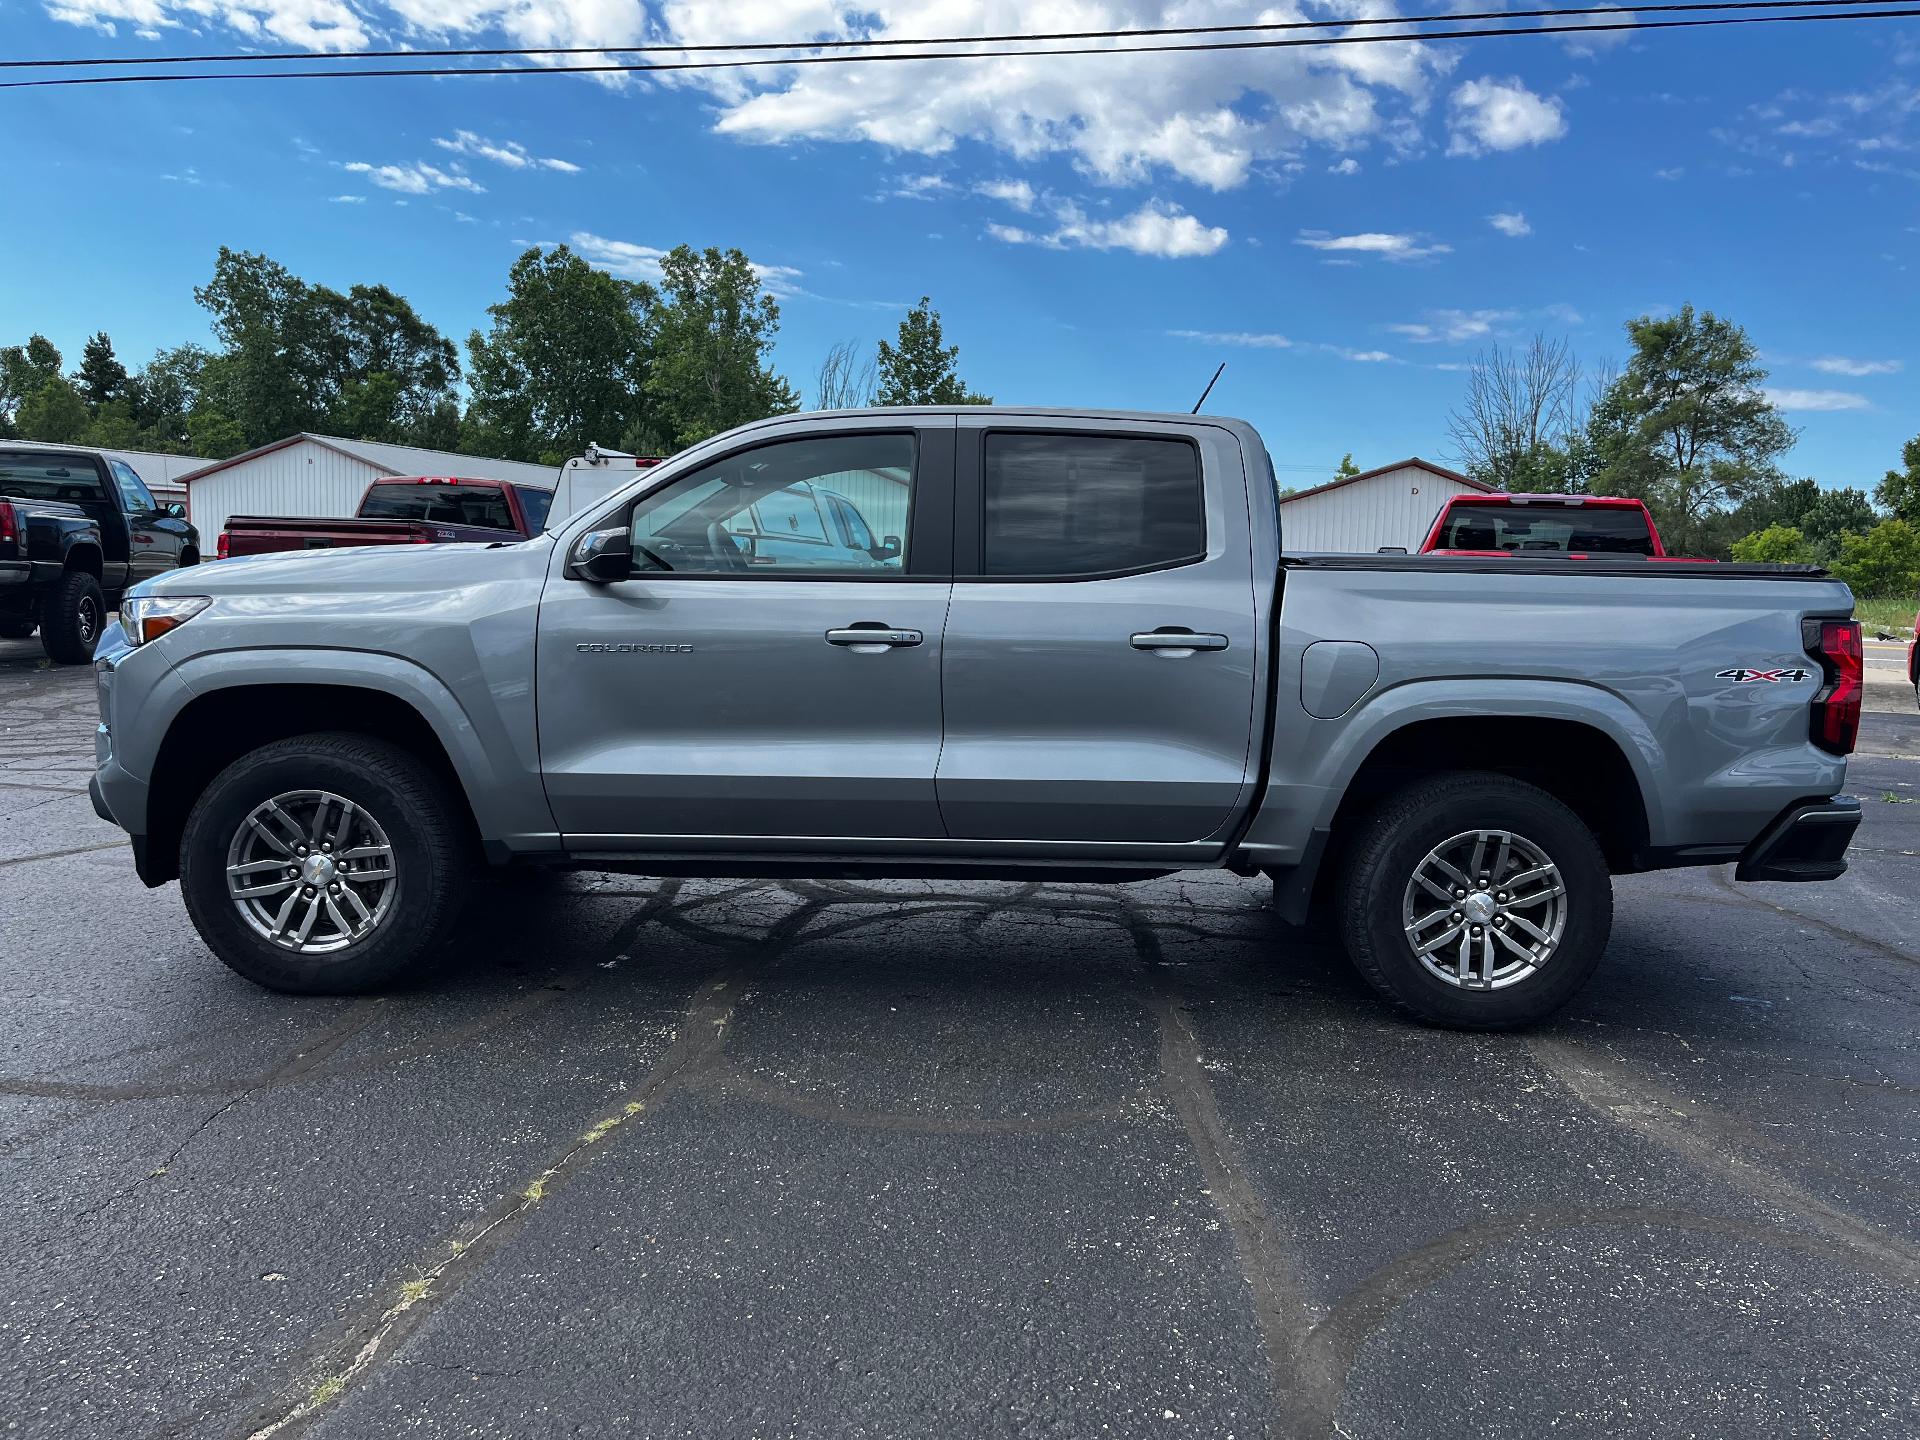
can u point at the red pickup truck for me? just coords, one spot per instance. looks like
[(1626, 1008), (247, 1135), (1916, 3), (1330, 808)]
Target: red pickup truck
[(406, 510), (1521, 524)]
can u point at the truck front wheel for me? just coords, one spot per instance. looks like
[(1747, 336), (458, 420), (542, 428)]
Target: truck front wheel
[(73, 612), (1476, 901), (327, 864)]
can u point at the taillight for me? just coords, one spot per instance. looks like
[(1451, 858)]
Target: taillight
[(220, 550), (1836, 708), (9, 524)]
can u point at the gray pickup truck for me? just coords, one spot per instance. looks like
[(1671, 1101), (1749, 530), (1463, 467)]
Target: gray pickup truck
[(1078, 652)]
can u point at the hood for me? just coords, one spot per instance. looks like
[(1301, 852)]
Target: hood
[(367, 569)]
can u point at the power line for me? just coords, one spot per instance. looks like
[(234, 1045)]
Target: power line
[(875, 42), (1910, 12)]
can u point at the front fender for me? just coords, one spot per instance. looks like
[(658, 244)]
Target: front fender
[(508, 801)]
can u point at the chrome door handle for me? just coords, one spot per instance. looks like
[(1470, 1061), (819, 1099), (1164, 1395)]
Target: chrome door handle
[(878, 637), (1171, 638)]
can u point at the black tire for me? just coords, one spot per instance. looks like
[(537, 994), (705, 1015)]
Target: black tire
[(433, 860), (73, 612), (18, 628), (1394, 839)]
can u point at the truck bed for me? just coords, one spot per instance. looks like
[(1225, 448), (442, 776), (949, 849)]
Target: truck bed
[(263, 535)]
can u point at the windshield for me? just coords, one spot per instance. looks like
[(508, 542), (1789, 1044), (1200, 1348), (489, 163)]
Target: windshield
[(1580, 529), (484, 506), (50, 475)]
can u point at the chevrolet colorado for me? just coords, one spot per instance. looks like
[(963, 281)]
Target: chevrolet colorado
[(1085, 657)]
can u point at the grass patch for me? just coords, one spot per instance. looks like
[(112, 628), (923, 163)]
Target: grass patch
[(1891, 613)]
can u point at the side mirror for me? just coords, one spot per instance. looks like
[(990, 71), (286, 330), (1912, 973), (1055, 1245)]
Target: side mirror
[(177, 510), (601, 557), (889, 548)]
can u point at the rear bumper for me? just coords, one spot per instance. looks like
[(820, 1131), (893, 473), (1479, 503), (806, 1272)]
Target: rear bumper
[(15, 572), (1808, 841)]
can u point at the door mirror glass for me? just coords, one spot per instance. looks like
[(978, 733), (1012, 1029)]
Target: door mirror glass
[(600, 557), (177, 510), (889, 548)]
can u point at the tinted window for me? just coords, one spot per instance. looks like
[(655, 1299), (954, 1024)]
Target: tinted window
[(536, 503), (1596, 530), (135, 498), (1090, 504), (484, 506), (759, 513), (50, 475)]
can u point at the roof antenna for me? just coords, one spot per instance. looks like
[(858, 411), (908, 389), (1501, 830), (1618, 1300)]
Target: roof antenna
[(1208, 391)]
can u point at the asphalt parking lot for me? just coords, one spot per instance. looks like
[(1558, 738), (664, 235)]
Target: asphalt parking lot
[(711, 1159)]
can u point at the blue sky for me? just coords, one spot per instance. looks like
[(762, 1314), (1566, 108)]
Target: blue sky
[(1346, 228)]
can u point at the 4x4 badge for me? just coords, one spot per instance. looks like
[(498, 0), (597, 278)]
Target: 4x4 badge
[(1740, 675)]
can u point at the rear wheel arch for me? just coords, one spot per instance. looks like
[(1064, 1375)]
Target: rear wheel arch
[(1578, 763), (85, 556)]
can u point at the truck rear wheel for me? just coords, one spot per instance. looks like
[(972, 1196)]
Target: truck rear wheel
[(327, 864), (1475, 901), (73, 612)]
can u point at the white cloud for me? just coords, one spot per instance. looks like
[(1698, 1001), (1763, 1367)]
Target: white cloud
[(920, 187), (1855, 369), (333, 25), (1157, 229), (1511, 223), (1819, 401), (1588, 46), (510, 153), (1501, 115), (418, 179), (642, 262), (1249, 339), (1348, 166), (1373, 242), (1453, 326), (1017, 193), (348, 200)]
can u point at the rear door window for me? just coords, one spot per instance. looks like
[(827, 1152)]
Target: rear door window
[(1069, 505)]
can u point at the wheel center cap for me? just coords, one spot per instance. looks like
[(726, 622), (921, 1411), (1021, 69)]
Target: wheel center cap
[(317, 870), (1479, 907)]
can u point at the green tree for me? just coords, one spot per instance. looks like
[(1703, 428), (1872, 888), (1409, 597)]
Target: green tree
[(1834, 513), (303, 357), (23, 370), (921, 370), (1899, 493), (163, 393), (712, 348), (564, 363), (1884, 561), (101, 376), (55, 412), (1775, 545), (1686, 426), (1347, 468)]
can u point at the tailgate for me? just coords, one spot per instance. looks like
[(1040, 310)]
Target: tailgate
[(263, 535)]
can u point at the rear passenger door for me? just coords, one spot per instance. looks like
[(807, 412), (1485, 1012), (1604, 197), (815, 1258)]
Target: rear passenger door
[(1099, 666)]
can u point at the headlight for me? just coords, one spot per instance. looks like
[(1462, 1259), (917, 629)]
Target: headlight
[(151, 616)]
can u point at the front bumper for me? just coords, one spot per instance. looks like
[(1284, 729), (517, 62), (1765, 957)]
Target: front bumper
[(1808, 841)]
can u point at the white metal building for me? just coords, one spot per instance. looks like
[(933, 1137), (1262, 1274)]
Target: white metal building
[(1393, 505), (325, 476)]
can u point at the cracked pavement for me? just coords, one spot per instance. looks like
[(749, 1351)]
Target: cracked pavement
[(711, 1158)]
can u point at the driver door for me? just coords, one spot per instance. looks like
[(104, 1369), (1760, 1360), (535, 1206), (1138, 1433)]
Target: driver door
[(723, 695)]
